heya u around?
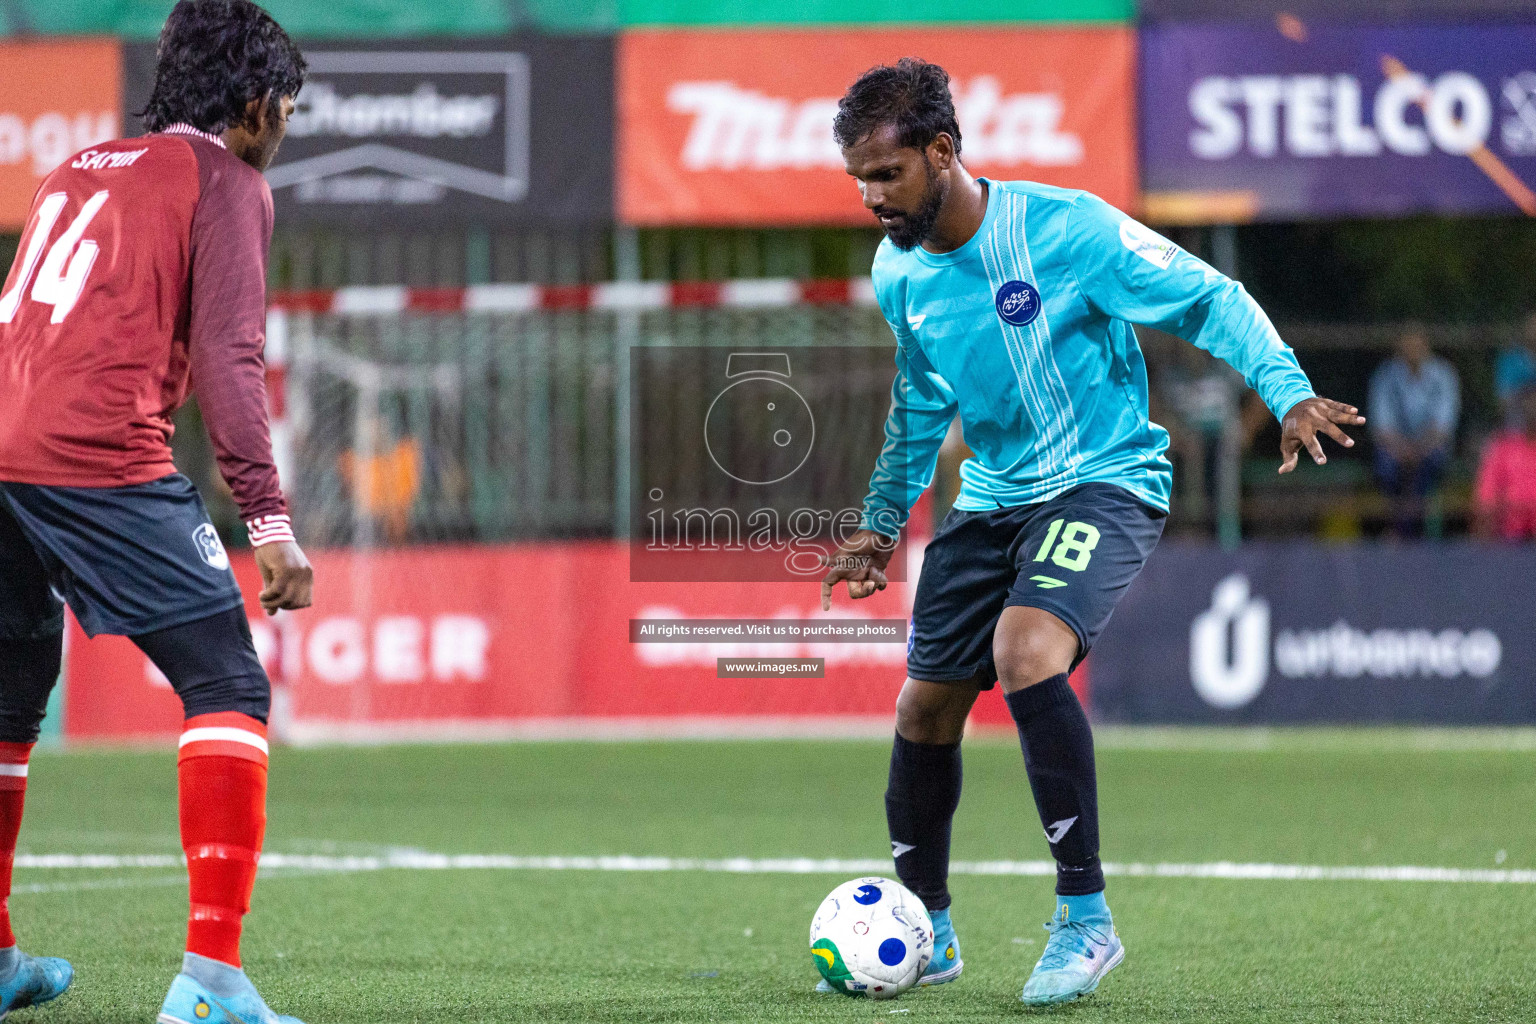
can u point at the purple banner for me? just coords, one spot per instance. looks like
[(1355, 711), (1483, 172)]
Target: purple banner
[(1303, 120)]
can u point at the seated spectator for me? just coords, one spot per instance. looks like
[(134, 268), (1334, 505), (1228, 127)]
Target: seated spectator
[(1506, 481), (1415, 400), (1514, 370)]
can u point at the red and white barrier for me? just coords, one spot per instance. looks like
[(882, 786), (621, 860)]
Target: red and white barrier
[(620, 296)]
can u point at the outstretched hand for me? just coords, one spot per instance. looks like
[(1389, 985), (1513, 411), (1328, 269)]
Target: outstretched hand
[(861, 562), (1309, 418)]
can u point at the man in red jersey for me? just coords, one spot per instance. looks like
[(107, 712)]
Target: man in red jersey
[(142, 275)]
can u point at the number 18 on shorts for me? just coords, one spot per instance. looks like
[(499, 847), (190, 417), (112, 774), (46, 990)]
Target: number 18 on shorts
[(1072, 556)]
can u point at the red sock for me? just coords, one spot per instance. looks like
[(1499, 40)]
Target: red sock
[(13, 794), (222, 772)]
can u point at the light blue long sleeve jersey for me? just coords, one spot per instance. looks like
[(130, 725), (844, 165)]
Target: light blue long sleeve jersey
[(1025, 331)]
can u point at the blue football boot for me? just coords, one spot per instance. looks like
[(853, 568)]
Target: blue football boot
[(1080, 951), (220, 994), (946, 964), (36, 979)]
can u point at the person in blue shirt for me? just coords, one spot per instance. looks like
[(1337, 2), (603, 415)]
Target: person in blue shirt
[(1415, 401), (1012, 305), (1514, 370)]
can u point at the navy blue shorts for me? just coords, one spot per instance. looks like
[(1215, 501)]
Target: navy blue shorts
[(128, 560), (1072, 556)]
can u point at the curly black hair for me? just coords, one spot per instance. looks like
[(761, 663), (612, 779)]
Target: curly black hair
[(911, 94), (214, 58)]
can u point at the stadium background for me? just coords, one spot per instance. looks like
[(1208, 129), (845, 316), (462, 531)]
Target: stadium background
[(484, 206)]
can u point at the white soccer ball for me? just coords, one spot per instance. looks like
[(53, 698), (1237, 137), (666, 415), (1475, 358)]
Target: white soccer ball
[(871, 937)]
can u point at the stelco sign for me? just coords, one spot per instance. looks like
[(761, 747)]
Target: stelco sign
[(1339, 120), (1320, 115), (736, 127)]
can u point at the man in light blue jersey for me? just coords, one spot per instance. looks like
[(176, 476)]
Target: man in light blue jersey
[(1012, 305)]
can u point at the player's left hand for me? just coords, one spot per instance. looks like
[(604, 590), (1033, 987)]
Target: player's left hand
[(289, 580), (1308, 418)]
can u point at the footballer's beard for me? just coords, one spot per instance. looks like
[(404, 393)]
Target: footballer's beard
[(914, 228)]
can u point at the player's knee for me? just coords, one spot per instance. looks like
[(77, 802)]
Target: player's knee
[(1028, 656), (29, 668), (922, 719), (248, 693), (212, 665)]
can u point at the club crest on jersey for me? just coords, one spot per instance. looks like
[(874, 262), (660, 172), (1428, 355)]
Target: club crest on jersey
[(209, 547), (1018, 303)]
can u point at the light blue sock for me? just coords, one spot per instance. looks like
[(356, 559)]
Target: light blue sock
[(10, 962), (216, 976), (1092, 907)]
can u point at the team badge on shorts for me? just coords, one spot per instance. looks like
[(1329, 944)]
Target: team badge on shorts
[(1018, 303), (210, 547)]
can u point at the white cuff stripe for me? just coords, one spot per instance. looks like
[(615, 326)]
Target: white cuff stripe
[(225, 733), (269, 529), (18, 771)]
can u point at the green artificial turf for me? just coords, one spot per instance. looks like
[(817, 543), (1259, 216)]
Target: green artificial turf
[(622, 947)]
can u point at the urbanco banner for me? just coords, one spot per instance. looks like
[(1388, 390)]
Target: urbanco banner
[(1299, 632), (511, 130), (735, 127), (56, 98), (1296, 120)]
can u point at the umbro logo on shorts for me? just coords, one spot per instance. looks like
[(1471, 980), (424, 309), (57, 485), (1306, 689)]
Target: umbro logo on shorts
[(209, 547)]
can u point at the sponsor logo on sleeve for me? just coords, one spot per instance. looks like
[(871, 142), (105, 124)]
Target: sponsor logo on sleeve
[(1147, 244)]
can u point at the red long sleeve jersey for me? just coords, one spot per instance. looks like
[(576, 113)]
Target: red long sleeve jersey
[(142, 273)]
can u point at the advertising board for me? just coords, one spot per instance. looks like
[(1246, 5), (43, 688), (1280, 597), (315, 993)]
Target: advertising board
[(1291, 121), (513, 130), (735, 127), (1297, 632), (56, 98)]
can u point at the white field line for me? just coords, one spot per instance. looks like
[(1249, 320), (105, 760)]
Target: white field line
[(412, 860), (168, 881)]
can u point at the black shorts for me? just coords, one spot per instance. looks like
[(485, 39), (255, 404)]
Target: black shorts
[(1072, 556), (128, 560)]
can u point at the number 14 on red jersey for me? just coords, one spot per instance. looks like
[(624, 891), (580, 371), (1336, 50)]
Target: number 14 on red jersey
[(67, 265)]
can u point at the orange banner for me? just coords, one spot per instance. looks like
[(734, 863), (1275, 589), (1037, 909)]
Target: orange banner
[(736, 127), (56, 98)]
